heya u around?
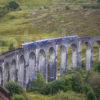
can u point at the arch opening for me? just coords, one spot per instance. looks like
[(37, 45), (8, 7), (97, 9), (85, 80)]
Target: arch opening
[(22, 71), (72, 56), (86, 55), (42, 62), (96, 51), (52, 68), (13, 74), (32, 67), (62, 60)]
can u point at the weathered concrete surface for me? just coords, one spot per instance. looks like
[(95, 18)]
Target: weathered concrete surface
[(22, 64)]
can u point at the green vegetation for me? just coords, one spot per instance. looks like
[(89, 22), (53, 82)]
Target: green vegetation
[(37, 84), (59, 96), (14, 88), (24, 20), (75, 85), (97, 66), (30, 20), (94, 81), (18, 97)]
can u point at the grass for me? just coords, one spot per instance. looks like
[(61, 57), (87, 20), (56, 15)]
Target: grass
[(60, 96), (34, 23)]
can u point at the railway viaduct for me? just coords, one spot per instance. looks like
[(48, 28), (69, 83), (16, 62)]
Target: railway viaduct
[(22, 64)]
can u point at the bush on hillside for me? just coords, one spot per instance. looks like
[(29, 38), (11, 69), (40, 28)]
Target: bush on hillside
[(91, 6), (3, 11), (77, 82), (70, 95), (56, 86), (72, 81), (14, 88), (18, 97), (12, 5), (97, 66), (37, 84), (11, 46), (94, 81), (89, 92), (98, 1)]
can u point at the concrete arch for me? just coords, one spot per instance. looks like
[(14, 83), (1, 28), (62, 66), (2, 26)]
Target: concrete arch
[(52, 68), (13, 74), (88, 54), (6, 72), (22, 71), (63, 58), (42, 62), (32, 67), (1, 76), (74, 55)]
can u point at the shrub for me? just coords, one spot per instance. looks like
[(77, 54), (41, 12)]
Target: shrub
[(37, 84), (77, 82), (70, 95), (73, 81), (89, 92), (94, 81), (14, 88), (18, 97), (11, 46), (67, 8), (13, 5), (91, 6), (91, 95), (98, 1), (3, 11), (97, 66), (54, 87)]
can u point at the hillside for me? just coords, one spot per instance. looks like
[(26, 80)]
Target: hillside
[(38, 19)]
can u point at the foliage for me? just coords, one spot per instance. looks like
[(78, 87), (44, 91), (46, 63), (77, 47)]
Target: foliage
[(69, 95), (56, 86), (94, 81), (91, 6), (77, 82), (37, 84), (73, 81), (14, 88), (18, 97), (91, 95), (11, 46), (3, 11), (13, 5), (89, 92), (16, 23), (98, 1), (97, 66)]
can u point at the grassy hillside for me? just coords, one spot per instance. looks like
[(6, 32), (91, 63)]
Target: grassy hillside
[(38, 19)]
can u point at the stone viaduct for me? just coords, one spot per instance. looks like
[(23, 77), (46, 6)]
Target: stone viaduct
[(22, 64)]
